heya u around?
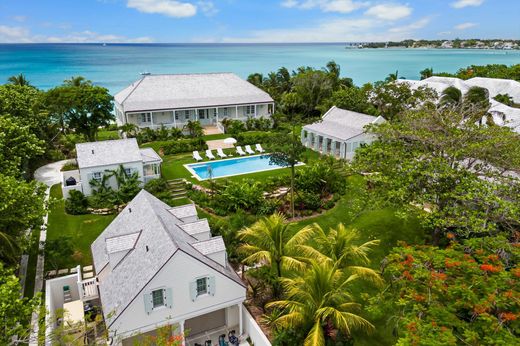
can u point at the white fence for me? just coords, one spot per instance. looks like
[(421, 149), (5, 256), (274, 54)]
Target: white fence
[(253, 329)]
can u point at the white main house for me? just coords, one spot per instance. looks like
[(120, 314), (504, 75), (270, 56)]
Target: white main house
[(172, 100), (96, 159), (339, 133), (157, 265)]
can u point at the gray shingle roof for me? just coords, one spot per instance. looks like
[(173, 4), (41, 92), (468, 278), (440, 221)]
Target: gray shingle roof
[(342, 124), (149, 155), (184, 211), (215, 244), (175, 91), (160, 238), (104, 153), (200, 226)]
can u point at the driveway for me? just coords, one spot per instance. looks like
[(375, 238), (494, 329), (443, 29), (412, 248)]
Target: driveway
[(50, 174)]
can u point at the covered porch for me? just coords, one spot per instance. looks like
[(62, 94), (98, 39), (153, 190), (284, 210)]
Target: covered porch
[(207, 116), (326, 145)]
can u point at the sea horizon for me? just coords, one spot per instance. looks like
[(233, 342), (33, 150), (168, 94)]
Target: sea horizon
[(115, 65)]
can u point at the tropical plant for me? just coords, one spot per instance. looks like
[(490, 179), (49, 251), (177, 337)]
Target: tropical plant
[(505, 99), (392, 77), (340, 246), (320, 302), (451, 96), (128, 183), (246, 195), (19, 80), (286, 150), (58, 251), (426, 73), (129, 129), (77, 81), (270, 241), (77, 203), (194, 129)]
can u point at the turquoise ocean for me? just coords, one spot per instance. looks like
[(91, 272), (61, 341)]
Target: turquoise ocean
[(114, 66)]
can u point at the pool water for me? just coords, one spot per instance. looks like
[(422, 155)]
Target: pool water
[(230, 167)]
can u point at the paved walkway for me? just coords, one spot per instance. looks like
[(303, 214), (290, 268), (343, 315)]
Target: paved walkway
[(218, 143), (211, 130), (49, 175)]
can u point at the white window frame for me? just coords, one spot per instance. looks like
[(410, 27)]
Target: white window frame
[(146, 117), (205, 291), (225, 111), (250, 110), (163, 297), (186, 115), (97, 176), (201, 114), (128, 171)]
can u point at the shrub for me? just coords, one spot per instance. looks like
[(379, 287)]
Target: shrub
[(320, 178), (156, 186), (71, 166), (235, 127), (308, 200), (246, 195), (254, 137), (184, 145), (76, 204)]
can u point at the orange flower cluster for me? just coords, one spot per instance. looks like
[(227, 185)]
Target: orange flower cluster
[(490, 268), (412, 326), (407, 275), (516, 272), (439, 276), (508, 316), (419, 298), (451, 264), (408, 261)]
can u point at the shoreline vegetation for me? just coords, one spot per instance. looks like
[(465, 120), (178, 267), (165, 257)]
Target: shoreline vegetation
[(497, 44)]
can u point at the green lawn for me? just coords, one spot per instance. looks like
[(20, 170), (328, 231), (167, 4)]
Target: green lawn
[(82, 229), (105, 135)]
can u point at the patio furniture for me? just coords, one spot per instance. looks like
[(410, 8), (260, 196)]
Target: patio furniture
[(210, 155), (240, 151), (197, 156), (233, 339), (222, 340), (208, 343), (220, 153), (249, 150), (259, 148)]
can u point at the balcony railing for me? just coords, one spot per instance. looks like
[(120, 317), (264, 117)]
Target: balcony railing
[(88, 289)]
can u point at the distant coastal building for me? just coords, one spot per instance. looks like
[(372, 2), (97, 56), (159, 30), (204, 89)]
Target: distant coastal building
[(502, 114), (339, 133), (97, 159), (172, 100)]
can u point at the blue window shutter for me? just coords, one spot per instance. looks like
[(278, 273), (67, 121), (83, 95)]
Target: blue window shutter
[(148, 304), (193, 290), (211, 285), (168, 298)]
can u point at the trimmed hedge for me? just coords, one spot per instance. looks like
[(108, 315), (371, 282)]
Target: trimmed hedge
[(246, 138), (184, 146)]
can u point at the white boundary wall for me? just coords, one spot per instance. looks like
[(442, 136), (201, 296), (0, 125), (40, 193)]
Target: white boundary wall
[(253, 329)]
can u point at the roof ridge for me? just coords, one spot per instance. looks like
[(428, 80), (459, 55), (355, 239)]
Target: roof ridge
[(133, 89)]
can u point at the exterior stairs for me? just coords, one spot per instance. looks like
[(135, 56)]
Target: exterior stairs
[(177, 188)]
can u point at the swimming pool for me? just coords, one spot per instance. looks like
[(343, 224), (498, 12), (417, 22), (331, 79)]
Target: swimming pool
[(231, 167)]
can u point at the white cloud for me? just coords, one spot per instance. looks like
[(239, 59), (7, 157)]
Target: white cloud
[(466, 3), (23, 35), (338, 30), (389, 11), (444, 33), (421, 23), (464, 26), (20, 19), (339, 6), (208, 8), (170, 8)]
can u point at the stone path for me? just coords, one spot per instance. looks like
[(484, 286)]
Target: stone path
[(218, 144)]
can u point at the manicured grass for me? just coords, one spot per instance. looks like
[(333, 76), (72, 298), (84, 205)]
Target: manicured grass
[(82, 229), (105, 135), (31, 264)]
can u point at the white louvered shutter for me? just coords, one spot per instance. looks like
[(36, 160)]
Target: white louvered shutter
[(193, 290), (148, 303), (211, 285), (168, 297)]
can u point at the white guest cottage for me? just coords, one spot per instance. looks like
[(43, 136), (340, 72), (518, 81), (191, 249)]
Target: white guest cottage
[(95, 159), (339, 133), (174, 99), (157, 265)]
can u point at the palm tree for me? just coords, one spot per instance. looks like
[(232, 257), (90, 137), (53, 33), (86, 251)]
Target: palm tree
[(19, 80), (194, 129), (9, 248), (129, 129), (319, 301), (270, 241), (77, 81), (451, 96), (476, 102), (426, 73), (338, 245), (392, 77)]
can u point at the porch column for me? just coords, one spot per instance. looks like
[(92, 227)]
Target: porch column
[(240, 312), (333, 148), (196, 114), (236, 112), (217, 113), (151, 119), (255, 109), (181, 329), (316, 142), (303, 137), (342, 150), (174, 119), (324, 146)]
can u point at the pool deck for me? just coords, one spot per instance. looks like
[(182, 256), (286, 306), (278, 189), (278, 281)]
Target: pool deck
[(196, 176)]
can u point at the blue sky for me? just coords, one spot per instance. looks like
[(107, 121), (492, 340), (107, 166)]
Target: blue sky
[(255, 20)]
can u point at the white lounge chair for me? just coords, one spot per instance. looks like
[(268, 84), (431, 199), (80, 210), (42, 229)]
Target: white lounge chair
[(197, 156), (259, 148), (249, 150), (240, 151), (220, 153), (210, 155)]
